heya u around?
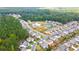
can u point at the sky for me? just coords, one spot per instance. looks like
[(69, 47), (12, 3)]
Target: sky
[(39, 3)]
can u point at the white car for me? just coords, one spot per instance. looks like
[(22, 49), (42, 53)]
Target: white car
[(23, 46)]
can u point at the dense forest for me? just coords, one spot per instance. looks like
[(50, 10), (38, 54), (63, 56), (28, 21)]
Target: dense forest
[(11, 33), (62, 15)]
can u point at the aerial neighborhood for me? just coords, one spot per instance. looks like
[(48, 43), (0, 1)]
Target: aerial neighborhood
[(36, 29), (44, 35)]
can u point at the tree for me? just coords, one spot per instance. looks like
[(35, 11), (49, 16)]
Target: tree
[(11, 33)]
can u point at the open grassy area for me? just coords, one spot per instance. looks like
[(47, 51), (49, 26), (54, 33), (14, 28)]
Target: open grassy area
[(39, 48)]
